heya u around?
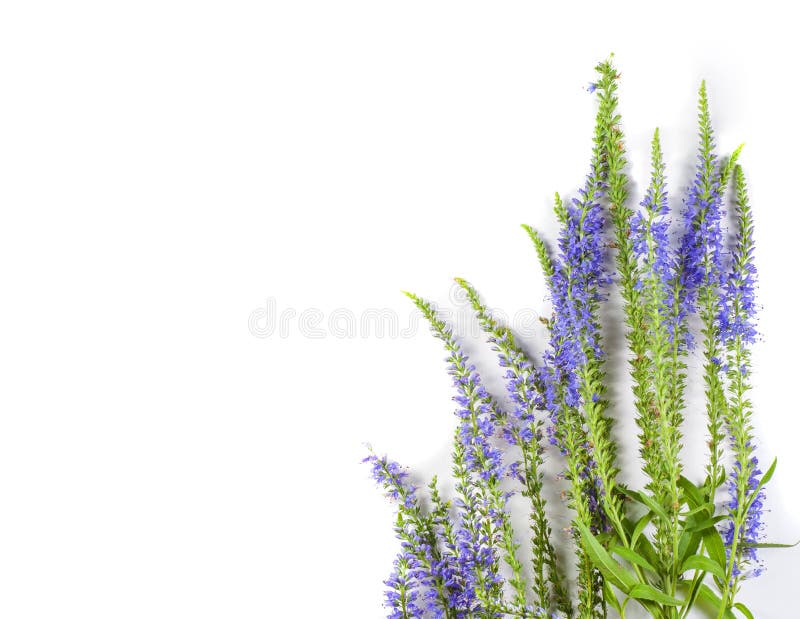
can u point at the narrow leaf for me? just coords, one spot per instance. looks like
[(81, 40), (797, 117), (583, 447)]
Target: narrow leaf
[(770, 545), (640, 525), (648, 592), (611, 597), (604, 562), (643, 498), (709, 523), (712, 598), (632, 557), (767, 476), (691, 492), (715, 547), (699, 562)]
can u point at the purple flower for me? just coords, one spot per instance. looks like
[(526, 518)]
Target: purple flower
[(738, 300), (392, 478), (736, 321), (750, 532), (701, 248), (575, 288), (651, 246), (478, 468), (402, 592)]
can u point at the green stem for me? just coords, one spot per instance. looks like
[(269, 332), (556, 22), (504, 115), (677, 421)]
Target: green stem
[(729, 572)]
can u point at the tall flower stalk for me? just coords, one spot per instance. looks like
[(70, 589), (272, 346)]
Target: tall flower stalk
[(660, 403), (664, 546), (742, 530), (480, 470), (524, 429)]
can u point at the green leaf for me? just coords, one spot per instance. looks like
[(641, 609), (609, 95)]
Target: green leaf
[(640, 525), (715, 547), (693, 591), (611, 597), (767, 476), (648, 592), (631, 494), (697, 510), (632, 557), (688, 544), (712, 598), (699, 562), (770, 545), (604, 562), (645, 548), (709, 523), (643, 498), (692, 493), (744, 610)]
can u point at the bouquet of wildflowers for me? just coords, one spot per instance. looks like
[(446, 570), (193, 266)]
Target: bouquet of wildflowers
[(687, 284)]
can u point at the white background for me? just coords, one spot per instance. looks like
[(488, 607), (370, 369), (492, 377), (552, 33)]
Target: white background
[(169, 168)]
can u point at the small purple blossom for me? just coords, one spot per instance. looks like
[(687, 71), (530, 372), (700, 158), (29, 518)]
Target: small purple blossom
[(391, 476), (738, 299), (449, 566), (701, 248), (575, 286), (402, 593), (736, 321), (746, 564)]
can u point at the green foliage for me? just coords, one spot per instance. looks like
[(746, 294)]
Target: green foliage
[(661, 546)]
